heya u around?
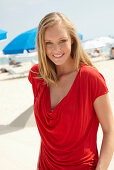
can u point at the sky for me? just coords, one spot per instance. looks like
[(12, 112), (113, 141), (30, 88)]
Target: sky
[(92, 18)]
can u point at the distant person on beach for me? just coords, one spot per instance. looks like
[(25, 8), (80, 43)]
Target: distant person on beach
[(112, 53), (70, 100), (96, 53), (13, 62)]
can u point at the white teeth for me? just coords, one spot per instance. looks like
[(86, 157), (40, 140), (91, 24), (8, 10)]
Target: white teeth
[(58, 55)]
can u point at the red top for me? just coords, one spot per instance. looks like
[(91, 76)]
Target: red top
[(69, 132)]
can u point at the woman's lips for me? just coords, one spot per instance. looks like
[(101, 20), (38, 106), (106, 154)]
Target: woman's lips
[(58, 56)]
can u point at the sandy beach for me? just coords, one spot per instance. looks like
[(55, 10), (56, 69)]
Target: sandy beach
[(19, 137)]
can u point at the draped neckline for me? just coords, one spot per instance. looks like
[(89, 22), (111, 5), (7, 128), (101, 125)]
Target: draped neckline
[(51, 111)]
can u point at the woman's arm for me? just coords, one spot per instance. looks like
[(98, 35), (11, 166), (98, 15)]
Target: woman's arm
[(104, 113)]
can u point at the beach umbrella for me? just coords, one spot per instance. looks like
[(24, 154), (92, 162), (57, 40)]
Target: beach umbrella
[(92, 44), (3, 34), (80, 36), (24, 41)]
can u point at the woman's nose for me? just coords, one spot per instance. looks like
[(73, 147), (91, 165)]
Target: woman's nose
[(56, 48)]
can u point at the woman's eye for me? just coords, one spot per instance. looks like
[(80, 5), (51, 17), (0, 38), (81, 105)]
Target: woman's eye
[(48, 43), (62, 41)]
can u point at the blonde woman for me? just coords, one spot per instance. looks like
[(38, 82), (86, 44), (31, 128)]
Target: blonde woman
[(70, 100)]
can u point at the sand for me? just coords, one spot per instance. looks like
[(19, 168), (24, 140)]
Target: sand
[(19, 137)]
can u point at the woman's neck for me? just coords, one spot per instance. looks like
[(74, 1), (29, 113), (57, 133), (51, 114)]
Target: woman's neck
[(65, 69)]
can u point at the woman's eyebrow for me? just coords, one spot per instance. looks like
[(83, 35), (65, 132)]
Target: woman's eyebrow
[(47, 40), (59, 38)]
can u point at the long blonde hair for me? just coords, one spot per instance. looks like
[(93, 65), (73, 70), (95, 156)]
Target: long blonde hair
[(47, 69)]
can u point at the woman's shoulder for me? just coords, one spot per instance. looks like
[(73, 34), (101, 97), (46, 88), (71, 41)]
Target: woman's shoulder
[(35, 68), (88, 69), (92, 75), (89, 72), (94, 81), (33, 73), (35, 80)]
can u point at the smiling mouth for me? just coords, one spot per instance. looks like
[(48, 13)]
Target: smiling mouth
[(58, 56)]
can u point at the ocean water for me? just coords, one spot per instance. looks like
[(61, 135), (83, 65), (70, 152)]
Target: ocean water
[(4, 59)]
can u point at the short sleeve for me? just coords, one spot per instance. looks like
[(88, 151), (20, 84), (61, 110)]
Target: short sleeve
[(33, 79), (93, 83), (98, 85), (30, 77)]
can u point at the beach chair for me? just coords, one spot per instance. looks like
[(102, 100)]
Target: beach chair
[(11, 71), (14, 75)]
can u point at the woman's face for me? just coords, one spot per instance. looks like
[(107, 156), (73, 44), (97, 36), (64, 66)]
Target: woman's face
[(58, 44)]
